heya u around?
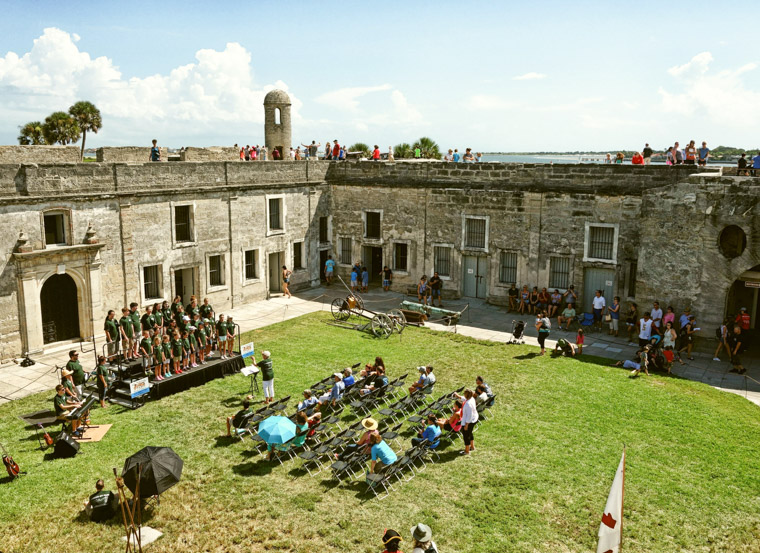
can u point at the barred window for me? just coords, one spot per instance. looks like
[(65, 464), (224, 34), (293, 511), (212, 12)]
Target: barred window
[(559, 272), (345, 251), (215, 273), (152, 282), (183, 230), (275, 214), (297, 255), (475, 233), (373, 224), (601, 242), (400, 255), (251, 262), (442, 260), (323, 229), (508, 267)]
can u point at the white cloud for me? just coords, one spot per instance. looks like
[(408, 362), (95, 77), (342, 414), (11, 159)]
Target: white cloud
[(718, 95), (216, 95), (532, 76), (347, 98)]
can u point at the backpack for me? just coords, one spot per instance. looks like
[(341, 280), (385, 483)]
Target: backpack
[(719, 333)]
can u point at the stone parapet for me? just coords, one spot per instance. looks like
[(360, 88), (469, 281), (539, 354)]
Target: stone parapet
[(212, 153), (127, 154), (39, 154)]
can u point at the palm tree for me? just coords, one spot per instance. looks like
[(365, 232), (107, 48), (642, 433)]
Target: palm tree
[(31, 134), (428, 147), (403, 150), (88, 118), (60, 128), (360, 147)]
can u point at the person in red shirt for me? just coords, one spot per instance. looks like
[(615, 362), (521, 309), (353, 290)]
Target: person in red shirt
[(376, 153), (336, 150), (742, 319), (637, 159)]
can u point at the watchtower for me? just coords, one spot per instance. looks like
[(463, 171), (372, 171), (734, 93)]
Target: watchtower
[(277, 123)]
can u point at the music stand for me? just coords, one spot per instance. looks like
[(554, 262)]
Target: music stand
[(253, 372)]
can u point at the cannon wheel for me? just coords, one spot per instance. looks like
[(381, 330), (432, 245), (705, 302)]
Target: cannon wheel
[(340, 309), (381, 325), (399, 320), (359, 302)]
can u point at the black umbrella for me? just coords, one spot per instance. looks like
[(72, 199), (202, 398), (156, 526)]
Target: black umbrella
[(161, 469)]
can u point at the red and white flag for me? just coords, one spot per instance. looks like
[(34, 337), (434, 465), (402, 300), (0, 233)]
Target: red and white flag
[(611, 528)]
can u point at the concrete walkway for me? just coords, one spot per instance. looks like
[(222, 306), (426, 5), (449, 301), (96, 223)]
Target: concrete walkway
[(479, 320)]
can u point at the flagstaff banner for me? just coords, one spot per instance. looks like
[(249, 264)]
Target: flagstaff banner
[(611, 527)]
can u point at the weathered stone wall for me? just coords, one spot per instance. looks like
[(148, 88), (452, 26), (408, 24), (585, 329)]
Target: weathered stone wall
[(212, 153), (127, 154), (39, 154)]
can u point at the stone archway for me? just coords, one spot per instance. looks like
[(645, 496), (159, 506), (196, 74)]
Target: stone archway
[(59, 307), (745, 292)]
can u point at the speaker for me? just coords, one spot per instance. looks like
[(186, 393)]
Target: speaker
[(65, 446)]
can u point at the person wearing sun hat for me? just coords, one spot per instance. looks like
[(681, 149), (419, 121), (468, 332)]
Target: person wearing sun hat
[(391, 541), (370, 425), (422, 539)]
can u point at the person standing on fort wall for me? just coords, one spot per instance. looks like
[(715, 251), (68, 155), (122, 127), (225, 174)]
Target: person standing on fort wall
[(155, 151)]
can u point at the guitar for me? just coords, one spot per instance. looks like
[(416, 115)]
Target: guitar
[(10, 465), (46, 436)]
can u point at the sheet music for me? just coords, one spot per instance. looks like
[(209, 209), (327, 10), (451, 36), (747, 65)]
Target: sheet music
[(249, 370)]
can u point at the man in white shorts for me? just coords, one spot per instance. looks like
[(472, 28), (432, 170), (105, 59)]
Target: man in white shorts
[(267, 375)]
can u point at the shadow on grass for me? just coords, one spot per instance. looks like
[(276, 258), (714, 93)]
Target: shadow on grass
[(531, 355), (261, 467), (233, 401), (224, 441)]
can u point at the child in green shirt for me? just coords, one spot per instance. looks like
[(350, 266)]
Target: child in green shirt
[(167, 350), (202, 343), (158, 358), (185, 351), (177, 352)]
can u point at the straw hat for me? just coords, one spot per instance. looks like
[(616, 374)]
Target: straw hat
[(369, 423), (66, 372)]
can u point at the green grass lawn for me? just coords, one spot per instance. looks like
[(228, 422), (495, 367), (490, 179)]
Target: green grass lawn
[(538, 481)]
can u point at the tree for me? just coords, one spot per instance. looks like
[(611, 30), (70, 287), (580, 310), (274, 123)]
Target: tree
[(428, 147), (403, 150), (88, 118), (360, 147), (31, 134), (60, 128)]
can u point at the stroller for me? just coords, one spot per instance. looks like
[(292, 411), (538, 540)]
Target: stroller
[(518, 331)]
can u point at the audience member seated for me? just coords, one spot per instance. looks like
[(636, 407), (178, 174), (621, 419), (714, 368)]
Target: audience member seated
[(370, 427), (237, 420), (348, 376), (568, 314), (369, 369), (335, 394), (430, 375), (302, 431), (381, 454), (422, 539), (308, 402), (63, 405), (564, 347), (431, 433), (375, 381), (101, 505), (422, 382), (454, 422), (480, 395), (391, 541)]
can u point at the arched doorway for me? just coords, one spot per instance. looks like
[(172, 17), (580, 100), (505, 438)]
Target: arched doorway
[(745, 292), (60, 310)]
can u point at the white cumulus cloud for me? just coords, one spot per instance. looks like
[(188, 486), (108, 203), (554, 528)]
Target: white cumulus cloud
[(215, 98), (532, 76)]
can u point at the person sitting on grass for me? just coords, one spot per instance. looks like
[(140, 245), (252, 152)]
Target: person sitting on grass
[(641, 361), (236, 420), (335, 394), (431, 433), (102, 505), (382, 456), (422, 382), (454, 422), (391, 541), (563, 347), (567, 317), (302, 431)]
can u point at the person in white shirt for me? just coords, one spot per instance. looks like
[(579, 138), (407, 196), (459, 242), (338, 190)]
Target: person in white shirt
[(422, 539), (469, 418), (656, 317), (645, 329), (599, 305)]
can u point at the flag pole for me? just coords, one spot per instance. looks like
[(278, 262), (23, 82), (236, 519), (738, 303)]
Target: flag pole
[(622, 502)]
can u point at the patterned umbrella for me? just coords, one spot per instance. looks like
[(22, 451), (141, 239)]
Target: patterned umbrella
[(277, 430)]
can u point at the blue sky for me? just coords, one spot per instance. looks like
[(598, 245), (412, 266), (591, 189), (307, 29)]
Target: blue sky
[(494, 76)]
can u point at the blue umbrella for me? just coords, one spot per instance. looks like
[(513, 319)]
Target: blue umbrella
[(277, 430)]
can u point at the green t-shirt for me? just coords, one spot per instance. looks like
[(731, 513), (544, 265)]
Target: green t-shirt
[(78, 371), (148, 321), (206, 310), (58, 403), (202, 336), (158, 316), (192, 311), (569, 313), (186, 344), (158, 353), (101, 370), (231, 328), (145, 344), (174, 307), (167, 348), (68, 386), (221, 328), (267, 372), (168, 314), (126, 324), (111, 328), (177, 347), (135, 316)]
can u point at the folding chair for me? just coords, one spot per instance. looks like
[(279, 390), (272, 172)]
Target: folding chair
[(392, 434), (281, 405), (243, 426), (586, 320), (391, 411), (383, 480), (398, 385)]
